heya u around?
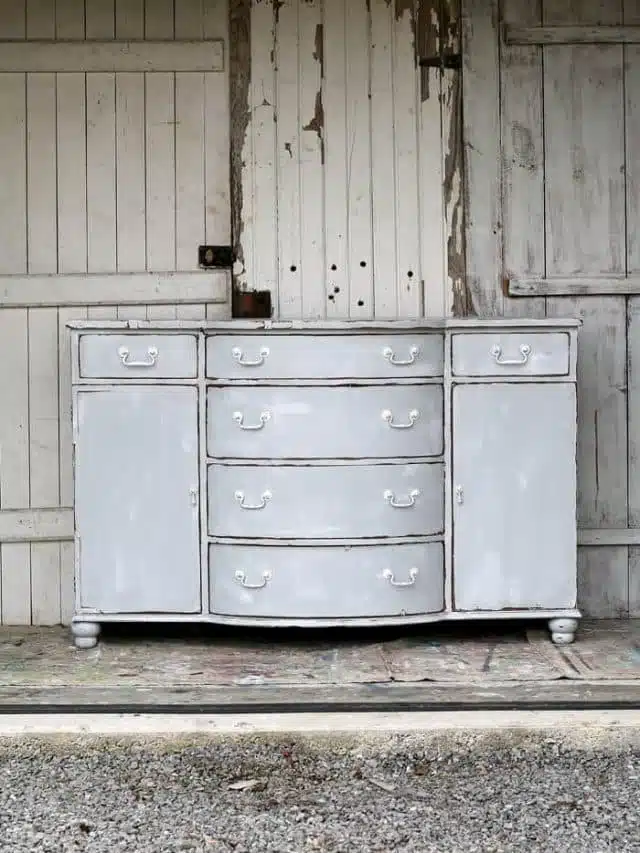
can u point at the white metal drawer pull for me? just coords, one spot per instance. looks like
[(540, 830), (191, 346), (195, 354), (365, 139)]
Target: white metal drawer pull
[(237, 353), (264, 500), (389, 576), (459, 495), (241, 578), (391, 499), (239, 419), (525, 352), (387, 416), (152, 352), (389, 354)]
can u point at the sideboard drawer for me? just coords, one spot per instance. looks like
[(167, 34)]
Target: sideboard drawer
[(326, 582), (270, 422), (510, 354), (351, 356), (133, 356), (325, 501)]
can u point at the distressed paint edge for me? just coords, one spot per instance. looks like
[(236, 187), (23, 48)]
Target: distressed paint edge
[(458, 294), (240, 69), (482, 161), (36, 525), (513, 35), (53, 57), (578, 286), (31, 291)]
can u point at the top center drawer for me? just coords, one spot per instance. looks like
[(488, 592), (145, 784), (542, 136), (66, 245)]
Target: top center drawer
[(348, 356)]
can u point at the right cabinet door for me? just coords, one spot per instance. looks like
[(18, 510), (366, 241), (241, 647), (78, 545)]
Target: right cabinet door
[(514, 496)]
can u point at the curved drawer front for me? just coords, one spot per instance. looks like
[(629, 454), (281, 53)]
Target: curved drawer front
[(510, 354), (325, 423), (326, 502), (351, 356), (135, 356), (326, 582)]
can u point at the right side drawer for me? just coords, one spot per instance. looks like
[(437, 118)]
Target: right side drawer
[(510, 354)]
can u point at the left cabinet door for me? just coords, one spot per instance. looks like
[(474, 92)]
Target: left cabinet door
[(136, 499)]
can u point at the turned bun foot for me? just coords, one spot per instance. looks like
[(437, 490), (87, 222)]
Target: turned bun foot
[(563, 630), (85, 634)]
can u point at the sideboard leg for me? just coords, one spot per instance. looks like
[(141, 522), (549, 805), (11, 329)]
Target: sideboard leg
[(85, 634), (563, 630)]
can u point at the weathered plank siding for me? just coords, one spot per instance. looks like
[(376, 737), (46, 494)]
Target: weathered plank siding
[(552, 194), (348, 185), (113, 173)]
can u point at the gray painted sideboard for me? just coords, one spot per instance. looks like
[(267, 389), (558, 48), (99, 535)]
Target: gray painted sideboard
[(323, 473)]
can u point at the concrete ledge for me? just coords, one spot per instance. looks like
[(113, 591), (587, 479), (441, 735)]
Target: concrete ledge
[(365, 725)]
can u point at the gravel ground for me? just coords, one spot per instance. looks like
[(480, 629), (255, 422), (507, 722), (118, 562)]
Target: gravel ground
[(440, 792)]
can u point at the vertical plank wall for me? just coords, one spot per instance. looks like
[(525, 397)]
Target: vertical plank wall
[(555, 127), (99, 173), (350, 193)]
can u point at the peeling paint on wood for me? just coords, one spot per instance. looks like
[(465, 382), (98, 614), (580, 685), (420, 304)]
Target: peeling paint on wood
[(317, 122), (462, 303), (482, 165), (428, 42), (240, 76), (449, 29), (350, 170)]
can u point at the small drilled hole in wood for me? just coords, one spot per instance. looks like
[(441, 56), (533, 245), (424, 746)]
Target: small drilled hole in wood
[(331, 297), (410, 274), (334, 267), (336, 290), (363, 263), (360, 303), (293, 267)]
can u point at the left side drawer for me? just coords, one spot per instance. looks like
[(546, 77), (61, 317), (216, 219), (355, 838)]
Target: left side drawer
[(107, 356)]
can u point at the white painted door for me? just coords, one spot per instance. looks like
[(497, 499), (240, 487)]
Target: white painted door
[(136, 491), (514, 486)]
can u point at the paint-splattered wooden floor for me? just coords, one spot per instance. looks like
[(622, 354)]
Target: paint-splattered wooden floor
[(182, 665)]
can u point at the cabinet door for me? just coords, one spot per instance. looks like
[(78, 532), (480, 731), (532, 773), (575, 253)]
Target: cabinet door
[(514, 496), (136, 496)]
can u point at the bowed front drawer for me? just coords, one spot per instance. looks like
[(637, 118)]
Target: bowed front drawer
[(325, 501), (270, 422), (325, 582)]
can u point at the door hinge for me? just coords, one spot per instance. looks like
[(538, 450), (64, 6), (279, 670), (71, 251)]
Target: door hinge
[(444, 61)]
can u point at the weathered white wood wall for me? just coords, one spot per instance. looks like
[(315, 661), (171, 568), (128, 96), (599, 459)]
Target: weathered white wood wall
[(350, 196), (556, 126), (103, 176)]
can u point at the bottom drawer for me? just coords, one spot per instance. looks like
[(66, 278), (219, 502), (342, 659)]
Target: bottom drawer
[(312, 582)]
